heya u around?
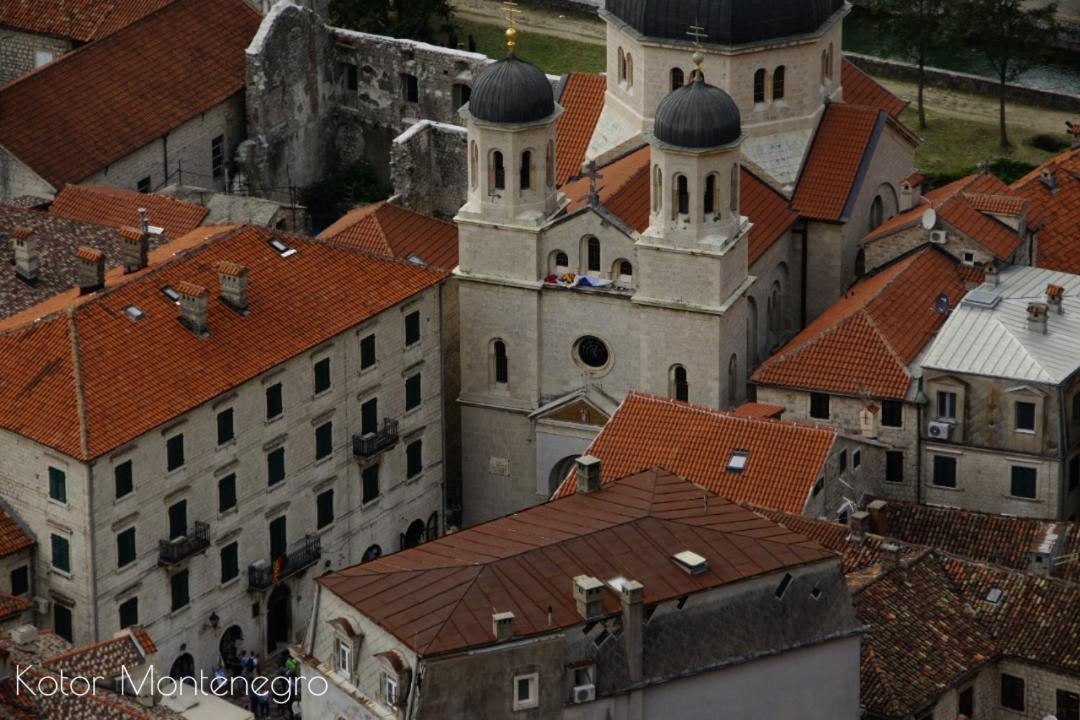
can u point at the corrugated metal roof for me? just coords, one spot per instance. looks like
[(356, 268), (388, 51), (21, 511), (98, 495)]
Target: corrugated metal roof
[(998, 342)]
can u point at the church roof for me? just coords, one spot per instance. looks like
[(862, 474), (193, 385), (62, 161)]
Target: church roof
[(861, 89), (726, 22), (582, 98), (511, 91), (697, 116), (388, 229)]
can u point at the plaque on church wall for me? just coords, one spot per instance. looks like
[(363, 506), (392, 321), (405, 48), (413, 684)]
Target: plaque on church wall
[(499, 466)]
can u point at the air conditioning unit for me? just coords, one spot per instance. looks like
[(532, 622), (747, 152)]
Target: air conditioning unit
[(43, 605), (939, 237), (584, 694), (939, 430)]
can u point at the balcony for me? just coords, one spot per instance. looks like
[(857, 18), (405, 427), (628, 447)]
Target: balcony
[(303, 554), (367, 445), (173, 551)]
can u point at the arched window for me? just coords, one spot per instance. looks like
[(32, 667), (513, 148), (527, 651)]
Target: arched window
[(592, 252), (623, 271), (432, 529), (824, 66), (677, 78), (679, 386), (629, 70), (474, 158), (550, 164), (734, 188), (372, 553), (622, 66), (460, 93), (877, 212), (775, 299), (626, 269), (560, 262), (526, 170), (759, 86), (829, 63), (498, 172), (682, 195), (778, 83), (500, 365), (860, 263), (658, 190), (733, 379), (710, 195)]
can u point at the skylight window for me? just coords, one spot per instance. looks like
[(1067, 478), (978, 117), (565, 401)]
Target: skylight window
[(282, 249), (737, 461), (170, 292), (994, 596), (134, 312), (691, 562)]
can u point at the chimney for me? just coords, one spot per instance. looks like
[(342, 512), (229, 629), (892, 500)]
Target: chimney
[(27, 254), (589, 596), (24, 637), (879, 523), (1045, 550), (1054, 296), (1037, 316), (588, 474), (992, 273), (194, 300), (233, 285), (1048, 178), (859, 525), (1074, 133), (90, 271), (136, 246), (631, 598), (890, 556), (144, 224), (502, 626)]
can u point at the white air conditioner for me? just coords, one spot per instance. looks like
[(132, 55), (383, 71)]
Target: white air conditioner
[(939, 430), (43, 605), (939, 237), (584, 694)]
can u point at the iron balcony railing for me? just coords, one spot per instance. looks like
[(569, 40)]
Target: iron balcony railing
[(303, 554), (173, 551), (371, 443)]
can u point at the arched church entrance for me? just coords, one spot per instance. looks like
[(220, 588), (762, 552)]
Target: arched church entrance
[(229, 648), (183, 668)]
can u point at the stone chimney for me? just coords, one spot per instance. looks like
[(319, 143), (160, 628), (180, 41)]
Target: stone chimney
[(859, 525), (136, 247), (90, 269), (631, 598), (588, 474), (1054, 296), (27, 254), (1037, 316), (1074, 133), (879, 522), (144, 224), (194, 307), (1048, 177), (1045, 549), (890, 556), (233, 282), (992, 271), (911, 191), (502, 626), (589, 596)]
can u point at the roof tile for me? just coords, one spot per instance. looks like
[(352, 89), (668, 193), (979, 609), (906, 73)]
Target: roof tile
[(394, 231), (836, 155), (119, 209), (80, 20), (1056, 215), (861, 89), (583, 99)]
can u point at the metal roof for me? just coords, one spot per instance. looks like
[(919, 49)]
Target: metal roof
[(997, 340)]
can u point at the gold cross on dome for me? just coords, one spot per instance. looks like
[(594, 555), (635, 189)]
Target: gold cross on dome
[(696, 33), (511, 32)]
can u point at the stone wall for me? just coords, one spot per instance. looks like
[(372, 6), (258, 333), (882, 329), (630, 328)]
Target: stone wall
[(428, 168), (18, 52)]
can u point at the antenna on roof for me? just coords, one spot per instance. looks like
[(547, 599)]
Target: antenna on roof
[(511, 33)]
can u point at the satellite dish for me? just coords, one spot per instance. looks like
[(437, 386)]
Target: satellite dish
[(929, 219)]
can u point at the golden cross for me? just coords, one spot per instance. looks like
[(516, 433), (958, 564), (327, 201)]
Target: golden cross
[(698, 57), (696, 33), (511, 33)]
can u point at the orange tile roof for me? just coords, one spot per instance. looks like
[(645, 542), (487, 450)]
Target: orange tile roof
[(126, 90), (13, 534), (88, 378), (624, 190), (80, 20), (861, 89), (393, 231), (583, 98), (865, 341), (1056, 215), (89, 254), (440, 596), (696, 442), (119, 209), (758, 410), (965, 204), (827, 183)]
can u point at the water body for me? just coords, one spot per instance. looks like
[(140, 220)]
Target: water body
[(1051, 69)]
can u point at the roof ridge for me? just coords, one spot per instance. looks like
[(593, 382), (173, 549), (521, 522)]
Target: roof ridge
[(80, 391), (724, 414), (885, 339)]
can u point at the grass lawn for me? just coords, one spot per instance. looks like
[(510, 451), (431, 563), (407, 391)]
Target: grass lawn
[(553, 55), (953, 147)]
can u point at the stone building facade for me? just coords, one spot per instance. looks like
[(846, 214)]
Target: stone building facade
[(21, 52)]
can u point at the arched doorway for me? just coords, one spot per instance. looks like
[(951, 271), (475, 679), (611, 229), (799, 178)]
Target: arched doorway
[(559, 473), (278, 617), (229, 648), (183, 668), (414, 535)]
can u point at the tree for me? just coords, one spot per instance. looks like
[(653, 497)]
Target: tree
[(914, 29), (1006, 33), (424, 20)]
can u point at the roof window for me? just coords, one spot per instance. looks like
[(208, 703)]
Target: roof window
[(170, 292), (691, 562), (134, 312), (994, 596), (737, 462), (282, 249)]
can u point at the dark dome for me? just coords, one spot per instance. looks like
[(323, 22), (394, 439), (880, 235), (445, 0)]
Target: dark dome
[(511, 91), (697, 115), (725, 22)]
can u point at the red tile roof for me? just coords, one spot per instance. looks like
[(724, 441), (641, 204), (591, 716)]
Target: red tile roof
[(126, 90), (440, 596), (838, 152), (13, 605), (861, 89), (624, 190), (785, 459), (865, 341), (582, 98), (79, 20), (964, 204), (13, 534), (1055, 215), (119, 209), (758, 410), (393, 231), (132, 376)]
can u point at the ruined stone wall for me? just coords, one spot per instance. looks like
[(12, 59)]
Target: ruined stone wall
[(427, 168)]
